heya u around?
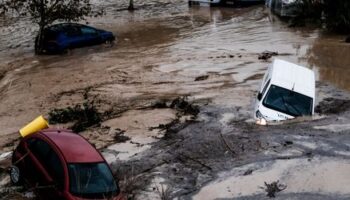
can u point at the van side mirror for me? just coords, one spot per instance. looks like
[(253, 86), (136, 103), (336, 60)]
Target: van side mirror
[(259, 96)]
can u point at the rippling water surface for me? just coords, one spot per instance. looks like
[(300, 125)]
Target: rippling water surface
[(168, 38)]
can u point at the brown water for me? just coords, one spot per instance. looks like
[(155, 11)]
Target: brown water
[(161, 49)]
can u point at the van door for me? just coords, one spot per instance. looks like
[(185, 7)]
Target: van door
[(74, 36)]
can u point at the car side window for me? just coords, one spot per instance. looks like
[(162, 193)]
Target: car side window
[(39, 148), (72, 31), (48, 158), (88, 31)]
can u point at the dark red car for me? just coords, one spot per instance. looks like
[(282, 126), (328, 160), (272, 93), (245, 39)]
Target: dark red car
[(60, 164)]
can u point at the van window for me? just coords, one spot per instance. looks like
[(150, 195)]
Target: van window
[(265, 87), (288, 102)]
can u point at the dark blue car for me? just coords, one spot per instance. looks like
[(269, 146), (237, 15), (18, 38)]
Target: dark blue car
[(61, 37)]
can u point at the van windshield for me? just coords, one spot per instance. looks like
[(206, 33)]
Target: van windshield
[(288, 102), (91, 180)]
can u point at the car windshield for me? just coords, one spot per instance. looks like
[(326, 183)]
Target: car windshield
[(287, 101), (91, 180)]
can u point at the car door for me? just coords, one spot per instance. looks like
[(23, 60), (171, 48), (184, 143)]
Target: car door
[(74, 36), (22, 158), (91, 35), (48, 164)]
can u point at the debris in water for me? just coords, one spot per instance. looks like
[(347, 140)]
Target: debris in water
[(273, 188), (165, 192), (248, 172), (287, 143), (332, 106), (182, 104), (120, 137), (160, 104), (201, 78), (267, 55), (83, 116)]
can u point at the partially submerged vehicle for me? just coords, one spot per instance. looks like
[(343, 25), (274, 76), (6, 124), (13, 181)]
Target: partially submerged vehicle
[(223, 2), (287, 91), (60, 37), (60, 164), (283, 8)]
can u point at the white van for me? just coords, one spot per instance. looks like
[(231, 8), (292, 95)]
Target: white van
[(287, 91), (283, 8)]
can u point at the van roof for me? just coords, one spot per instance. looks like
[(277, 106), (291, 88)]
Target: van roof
[(293, 77)]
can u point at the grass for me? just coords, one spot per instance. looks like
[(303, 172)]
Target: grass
[(130, 184)]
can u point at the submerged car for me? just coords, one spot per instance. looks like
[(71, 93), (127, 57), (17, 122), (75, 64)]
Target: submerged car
[(60, 37), (287, 91), (62, 165), (283, 8), (222, 2)]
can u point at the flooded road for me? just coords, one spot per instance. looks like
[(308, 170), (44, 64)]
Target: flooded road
[(165, 50)]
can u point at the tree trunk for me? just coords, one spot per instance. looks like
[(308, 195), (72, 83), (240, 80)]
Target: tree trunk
[(39, 38), (131, 5), (39, 41)]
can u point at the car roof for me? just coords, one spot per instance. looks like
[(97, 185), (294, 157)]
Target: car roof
[(64, 26), (74, 148), (293, 77)]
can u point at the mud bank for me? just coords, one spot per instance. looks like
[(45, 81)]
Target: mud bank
[(209, 159)]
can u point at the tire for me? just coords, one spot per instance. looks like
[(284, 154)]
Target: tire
[(109, 43), (15, 175)]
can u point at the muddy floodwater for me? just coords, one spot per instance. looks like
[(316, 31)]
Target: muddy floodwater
[(207, 58)]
